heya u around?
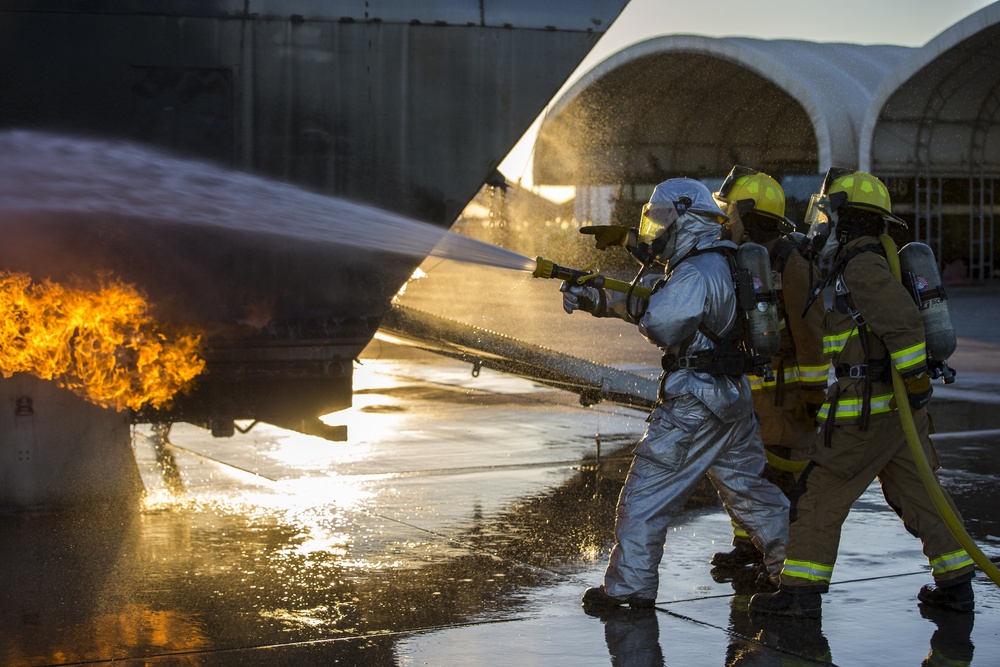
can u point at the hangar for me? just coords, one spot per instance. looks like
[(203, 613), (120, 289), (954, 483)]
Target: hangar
[(932, 132), (923, 119)]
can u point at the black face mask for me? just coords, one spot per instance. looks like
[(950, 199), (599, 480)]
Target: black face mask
[(761, 228), (648, 252)]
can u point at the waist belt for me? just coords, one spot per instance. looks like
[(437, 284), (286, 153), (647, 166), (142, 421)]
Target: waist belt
[(694, 361), (713, 362), (874, 370)]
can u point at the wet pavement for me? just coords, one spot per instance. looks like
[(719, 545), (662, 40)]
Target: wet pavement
[(460, 523)]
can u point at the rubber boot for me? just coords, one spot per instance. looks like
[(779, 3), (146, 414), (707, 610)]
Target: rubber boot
[(744, 553), (953, 595), (597, 597)]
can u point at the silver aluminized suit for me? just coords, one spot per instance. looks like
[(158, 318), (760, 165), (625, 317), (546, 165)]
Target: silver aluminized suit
[(705, 424)]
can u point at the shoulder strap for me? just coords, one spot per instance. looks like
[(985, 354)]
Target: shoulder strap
[(724, 251), (780, 252), (718, 340), (838, 268)]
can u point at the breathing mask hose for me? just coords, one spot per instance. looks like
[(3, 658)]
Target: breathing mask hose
[(643, 295), (916, 450)]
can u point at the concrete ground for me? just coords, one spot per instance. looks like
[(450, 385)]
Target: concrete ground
[(460, 523)]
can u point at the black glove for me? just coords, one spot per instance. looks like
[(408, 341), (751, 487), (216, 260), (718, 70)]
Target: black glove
[(605, 235), (919, 390), (581, 297)]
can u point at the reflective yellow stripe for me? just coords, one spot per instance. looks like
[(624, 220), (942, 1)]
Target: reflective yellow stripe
[(909, 357), (834, 343), (757, 383), (956, 560), (737, 531), (804, 569), (850, 408), (814, 373)]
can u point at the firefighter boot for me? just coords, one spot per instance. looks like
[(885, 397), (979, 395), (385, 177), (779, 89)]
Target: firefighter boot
[(744, 553), (596, 597), (788, 602), (953, 595)]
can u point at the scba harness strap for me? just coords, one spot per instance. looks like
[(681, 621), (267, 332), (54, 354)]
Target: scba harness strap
[(871, 369), (780, 252), (729, 356)]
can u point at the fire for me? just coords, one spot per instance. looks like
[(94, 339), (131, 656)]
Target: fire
[(101, 344)]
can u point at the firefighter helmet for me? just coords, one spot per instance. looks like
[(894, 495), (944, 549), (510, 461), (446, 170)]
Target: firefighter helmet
[(747, 184), (844, 187)]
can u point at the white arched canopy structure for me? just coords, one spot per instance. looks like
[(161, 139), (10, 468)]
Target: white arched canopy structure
[(932, 131), (695, 106)]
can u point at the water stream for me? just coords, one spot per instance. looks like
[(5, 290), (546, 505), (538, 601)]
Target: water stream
[(55, 173)]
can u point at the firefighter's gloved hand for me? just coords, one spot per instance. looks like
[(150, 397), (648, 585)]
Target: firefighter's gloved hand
[(605, 235), (919, 390), (580, 297)]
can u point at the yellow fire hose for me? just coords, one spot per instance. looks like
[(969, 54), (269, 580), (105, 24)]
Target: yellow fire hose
[(545, 268), (923, 467), (782, 463)]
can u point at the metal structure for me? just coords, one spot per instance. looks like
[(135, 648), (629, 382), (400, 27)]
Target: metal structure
[(924, 120), (694, 106), (687, 105), (406, 105), (933, 129)]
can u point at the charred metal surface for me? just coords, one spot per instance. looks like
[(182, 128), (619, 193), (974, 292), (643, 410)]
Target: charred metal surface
[(408, 106)]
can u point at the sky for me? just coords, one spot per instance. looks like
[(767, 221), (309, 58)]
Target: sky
[(901, 22)]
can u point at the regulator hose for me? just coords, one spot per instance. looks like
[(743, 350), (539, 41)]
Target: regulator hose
[(916, 450)]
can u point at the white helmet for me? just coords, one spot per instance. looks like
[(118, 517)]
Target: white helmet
[(678, 199)]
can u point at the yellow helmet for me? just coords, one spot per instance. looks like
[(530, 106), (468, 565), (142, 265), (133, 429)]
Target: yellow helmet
[(860, 190), (746, 184)]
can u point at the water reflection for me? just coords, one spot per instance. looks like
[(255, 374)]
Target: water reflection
[(633, 636), (78, 577), (797, 641), (333, 565), (951, 643), (248, 561)]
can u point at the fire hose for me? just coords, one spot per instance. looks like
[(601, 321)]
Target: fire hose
[(547, 269), (587, 277), (927, 475)]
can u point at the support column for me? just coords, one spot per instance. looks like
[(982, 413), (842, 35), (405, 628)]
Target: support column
[(60, 451)]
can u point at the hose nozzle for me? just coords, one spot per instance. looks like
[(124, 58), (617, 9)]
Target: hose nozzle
[(545, 268)]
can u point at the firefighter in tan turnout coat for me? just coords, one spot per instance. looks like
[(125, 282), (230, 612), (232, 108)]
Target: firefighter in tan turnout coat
[(873, 326), (787, 405)]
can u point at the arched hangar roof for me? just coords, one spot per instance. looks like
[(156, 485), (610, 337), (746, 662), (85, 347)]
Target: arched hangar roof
[(694, 105), (939, 111)]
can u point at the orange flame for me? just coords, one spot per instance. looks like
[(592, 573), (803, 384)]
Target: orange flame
[(102, 345)]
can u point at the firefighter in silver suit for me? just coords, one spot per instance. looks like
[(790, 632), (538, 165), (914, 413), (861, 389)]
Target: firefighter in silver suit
[(704, 422)]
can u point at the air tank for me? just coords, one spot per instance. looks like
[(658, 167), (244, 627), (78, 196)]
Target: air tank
[(920, 275), (759, 302)]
